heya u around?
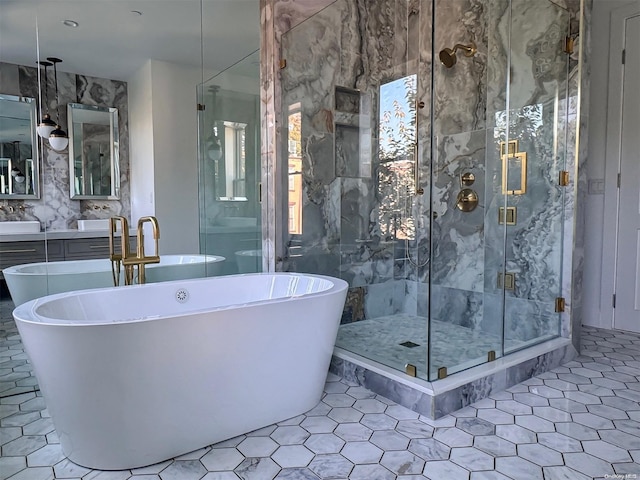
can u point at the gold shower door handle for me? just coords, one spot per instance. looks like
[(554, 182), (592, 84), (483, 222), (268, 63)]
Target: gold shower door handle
[(416, 171)]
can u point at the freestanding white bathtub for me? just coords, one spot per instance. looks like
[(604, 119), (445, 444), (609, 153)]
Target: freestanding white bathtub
[(133, 376), (34, 280)]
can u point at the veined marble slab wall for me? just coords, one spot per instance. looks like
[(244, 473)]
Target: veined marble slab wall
[(55, 210)]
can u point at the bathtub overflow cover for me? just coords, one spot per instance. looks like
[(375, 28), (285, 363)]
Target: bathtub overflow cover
[(182, 295)]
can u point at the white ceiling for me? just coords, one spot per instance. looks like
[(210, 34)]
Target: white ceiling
[(112, 41)]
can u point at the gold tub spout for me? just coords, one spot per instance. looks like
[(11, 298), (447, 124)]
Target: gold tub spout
[(141, 259)]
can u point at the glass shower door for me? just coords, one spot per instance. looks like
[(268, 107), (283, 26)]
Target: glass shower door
[(229, 152), (534, 196), (500, 123), (348, 171)]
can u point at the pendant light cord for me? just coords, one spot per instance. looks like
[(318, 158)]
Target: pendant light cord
[(46, 89), (55, 80)]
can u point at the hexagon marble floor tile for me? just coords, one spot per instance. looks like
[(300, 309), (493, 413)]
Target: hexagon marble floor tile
[(579, 421)]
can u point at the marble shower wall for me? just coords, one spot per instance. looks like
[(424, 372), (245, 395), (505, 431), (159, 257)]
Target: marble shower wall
[(54, 209)]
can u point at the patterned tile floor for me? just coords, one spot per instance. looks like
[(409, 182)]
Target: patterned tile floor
[(580, 421), (16, 375)]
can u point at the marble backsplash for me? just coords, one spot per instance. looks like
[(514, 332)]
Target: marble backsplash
[(54, 209)]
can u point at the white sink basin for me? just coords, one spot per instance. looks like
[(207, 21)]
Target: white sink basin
[(25, 226), (237, 221), (101, 224)]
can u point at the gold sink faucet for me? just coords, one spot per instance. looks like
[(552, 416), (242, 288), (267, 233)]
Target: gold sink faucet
[(127, 259)]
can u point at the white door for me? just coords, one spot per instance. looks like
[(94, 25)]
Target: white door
[(627, 288)]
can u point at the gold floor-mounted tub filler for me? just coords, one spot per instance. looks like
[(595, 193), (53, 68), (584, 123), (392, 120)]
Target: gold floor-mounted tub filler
[(124, 258)]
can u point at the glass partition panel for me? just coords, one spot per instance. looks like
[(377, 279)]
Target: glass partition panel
[(351, 123), (536, 122), (20, 182), (467, 243), (229, 152)]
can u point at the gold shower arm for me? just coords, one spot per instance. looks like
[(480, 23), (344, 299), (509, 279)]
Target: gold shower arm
[(469, 50)]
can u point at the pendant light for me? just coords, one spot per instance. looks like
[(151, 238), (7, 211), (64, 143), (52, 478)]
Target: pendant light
[(58, 138), (46, 125), (213, 145), (16, 173)]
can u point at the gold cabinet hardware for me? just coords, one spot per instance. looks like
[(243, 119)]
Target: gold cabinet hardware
[(507, 281), (411, 370), (508, 215), (560, 304), (19, 250), (283, 63), (563, 179), (467, 200), (491, 356), (442, 372)]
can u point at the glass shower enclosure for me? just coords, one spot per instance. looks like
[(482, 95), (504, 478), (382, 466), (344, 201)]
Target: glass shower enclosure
[(229, 153), (424, 146)]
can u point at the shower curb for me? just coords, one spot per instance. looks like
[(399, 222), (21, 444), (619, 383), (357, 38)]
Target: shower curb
[(439, 398)]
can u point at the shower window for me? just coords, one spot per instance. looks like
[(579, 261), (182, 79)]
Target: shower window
[(295, 170), (397, 156)]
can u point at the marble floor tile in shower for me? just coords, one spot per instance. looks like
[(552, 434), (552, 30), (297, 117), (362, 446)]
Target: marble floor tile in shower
[(563, 424), (397, 340)]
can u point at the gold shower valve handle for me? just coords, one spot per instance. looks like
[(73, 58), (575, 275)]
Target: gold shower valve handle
[(467, 200), (467, 179)]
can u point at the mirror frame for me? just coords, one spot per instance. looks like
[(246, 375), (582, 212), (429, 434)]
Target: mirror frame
[(35, 157), (114, 152)]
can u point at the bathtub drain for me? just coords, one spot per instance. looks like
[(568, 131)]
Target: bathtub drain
[(182, 295)]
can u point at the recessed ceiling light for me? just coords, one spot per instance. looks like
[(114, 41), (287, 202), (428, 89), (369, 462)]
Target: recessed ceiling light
[(70, 23), (136, 12)]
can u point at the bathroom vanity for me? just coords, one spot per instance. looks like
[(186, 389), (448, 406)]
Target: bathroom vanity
[(58, 245)]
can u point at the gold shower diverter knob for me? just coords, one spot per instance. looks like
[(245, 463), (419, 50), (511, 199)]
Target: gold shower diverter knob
[(467, 200)]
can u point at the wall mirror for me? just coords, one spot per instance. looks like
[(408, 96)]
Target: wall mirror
[(227, 148), (19, 167), (93, 152)]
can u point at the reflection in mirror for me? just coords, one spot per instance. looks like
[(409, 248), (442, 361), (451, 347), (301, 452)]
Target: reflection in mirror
[(18, 148), (93, 152), (229, 160)]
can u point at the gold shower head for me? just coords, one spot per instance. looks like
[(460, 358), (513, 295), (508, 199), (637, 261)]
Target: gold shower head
[(448, 55)]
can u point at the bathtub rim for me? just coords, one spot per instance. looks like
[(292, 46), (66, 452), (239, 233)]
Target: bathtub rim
[(26, 312), (15, 269)]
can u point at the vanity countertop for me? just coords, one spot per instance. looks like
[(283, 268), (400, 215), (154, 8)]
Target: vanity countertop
[(57, 235)]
